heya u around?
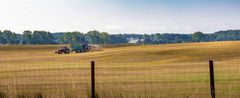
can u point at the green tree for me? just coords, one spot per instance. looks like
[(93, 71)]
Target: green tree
[(42, 37), (147, 39), (78, 38), (104, 38), (27, 37), (118, 39), (2, 39), (198, 37), (88, 39), (48, 38), (68, 37), (9, 36), (95, 36), (61, 40)]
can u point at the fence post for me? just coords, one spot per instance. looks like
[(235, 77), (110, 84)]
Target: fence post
[(93, 78), (212, 84)]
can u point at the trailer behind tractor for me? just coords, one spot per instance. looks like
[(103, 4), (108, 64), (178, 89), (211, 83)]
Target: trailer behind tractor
[(78, 48)]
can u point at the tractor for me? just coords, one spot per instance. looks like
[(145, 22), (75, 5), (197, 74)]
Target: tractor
[(62, 50)]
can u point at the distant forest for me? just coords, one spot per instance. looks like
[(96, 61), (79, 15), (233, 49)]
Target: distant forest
[(96, 37)]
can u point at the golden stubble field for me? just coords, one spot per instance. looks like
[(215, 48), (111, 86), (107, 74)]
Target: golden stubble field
[(149, 71)]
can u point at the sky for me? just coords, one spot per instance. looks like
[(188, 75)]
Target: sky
[(120, 16)]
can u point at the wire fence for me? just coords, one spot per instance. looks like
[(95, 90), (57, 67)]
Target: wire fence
[(66, 79), (139, 80)]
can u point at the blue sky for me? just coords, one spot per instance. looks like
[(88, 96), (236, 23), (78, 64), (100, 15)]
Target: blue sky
[(120, 16)]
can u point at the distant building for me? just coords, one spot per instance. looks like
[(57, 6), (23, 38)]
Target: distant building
[(136, 41)]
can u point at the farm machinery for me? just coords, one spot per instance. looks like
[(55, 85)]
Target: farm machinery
[(62, 50), (79, 48)]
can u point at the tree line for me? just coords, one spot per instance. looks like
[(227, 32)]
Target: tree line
[(96, 37)]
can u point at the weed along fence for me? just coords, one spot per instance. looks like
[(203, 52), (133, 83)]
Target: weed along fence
[(58, 79)]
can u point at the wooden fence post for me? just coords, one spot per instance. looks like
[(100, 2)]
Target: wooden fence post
[(93, 78), (212, 83)]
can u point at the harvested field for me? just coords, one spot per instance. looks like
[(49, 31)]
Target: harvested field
[(150, 71)]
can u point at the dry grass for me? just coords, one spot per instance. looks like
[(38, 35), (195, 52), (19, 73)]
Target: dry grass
[(151, 71)]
